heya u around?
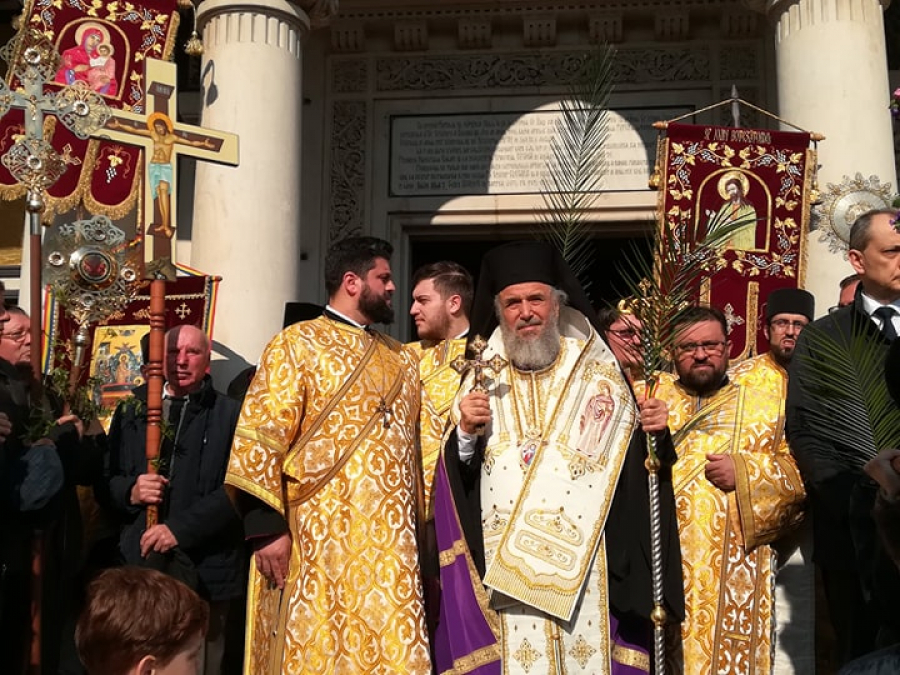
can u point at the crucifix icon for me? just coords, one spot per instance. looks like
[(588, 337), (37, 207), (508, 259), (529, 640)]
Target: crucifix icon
[(461, 364), (478, 365), (164, 140)]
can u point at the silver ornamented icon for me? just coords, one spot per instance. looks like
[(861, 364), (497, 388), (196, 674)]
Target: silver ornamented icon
[(92, 269), (843, 203)]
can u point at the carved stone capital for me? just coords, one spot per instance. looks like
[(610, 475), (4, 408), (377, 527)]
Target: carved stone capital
[(320, 12)]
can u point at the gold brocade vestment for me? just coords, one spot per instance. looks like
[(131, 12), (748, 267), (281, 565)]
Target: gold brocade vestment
[(728, 564), (762, 373), (440, 382), (312, 444)]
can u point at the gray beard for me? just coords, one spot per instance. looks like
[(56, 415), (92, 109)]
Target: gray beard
[(531, 354)]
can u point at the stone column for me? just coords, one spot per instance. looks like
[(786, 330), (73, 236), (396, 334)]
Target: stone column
[(246, 224), (832, 78)]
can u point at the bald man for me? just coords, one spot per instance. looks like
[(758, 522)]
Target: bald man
[(198, 538)]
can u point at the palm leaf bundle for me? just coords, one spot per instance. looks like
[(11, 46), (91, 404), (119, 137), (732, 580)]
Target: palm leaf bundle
[(844, 375), (667, 283), (577, 165)]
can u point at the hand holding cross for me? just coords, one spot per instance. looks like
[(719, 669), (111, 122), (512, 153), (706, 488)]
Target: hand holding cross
[(461, 364), (478, 365)]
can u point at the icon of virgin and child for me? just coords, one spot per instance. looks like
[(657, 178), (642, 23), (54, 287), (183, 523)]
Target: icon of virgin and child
[(90, 61)]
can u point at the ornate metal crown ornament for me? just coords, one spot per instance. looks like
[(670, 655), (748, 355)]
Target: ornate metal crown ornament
[(843, 203)]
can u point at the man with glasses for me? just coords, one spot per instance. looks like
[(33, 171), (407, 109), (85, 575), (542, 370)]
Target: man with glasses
[(737, 489), (622, 331), (788, 311)]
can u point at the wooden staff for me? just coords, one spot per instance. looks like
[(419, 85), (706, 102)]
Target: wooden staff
[(155, 384)]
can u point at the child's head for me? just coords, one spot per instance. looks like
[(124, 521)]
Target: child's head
[(104, 49), (140, 621)]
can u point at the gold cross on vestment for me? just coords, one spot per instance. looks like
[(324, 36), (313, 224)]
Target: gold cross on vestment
[(164, 140), (385, 410), (477, 364)]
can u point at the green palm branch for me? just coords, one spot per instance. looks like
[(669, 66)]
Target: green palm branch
[(577, 165), (844, 374), (667, 283)]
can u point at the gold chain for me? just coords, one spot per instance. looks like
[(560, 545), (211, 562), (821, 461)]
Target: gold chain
[(386, 411)]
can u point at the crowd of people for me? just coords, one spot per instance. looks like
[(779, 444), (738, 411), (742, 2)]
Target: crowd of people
[(370, 506)]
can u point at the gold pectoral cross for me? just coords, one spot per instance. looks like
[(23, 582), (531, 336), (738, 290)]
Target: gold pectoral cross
[(385, 411)]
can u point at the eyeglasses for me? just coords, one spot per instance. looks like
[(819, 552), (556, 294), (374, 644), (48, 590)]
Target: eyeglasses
[(17, 336), (782, 324), (711, 347), (623, 333)]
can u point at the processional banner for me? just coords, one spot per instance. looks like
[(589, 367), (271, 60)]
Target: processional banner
[(115, 363), (103, 46), (762, 181)]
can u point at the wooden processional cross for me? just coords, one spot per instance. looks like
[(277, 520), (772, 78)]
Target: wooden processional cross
[(164, 140)]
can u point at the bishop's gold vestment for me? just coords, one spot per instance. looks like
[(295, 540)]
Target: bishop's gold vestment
[(553, 453), (727, 561), (330, 444), (440, 382)]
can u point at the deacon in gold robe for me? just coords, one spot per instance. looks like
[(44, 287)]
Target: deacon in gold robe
[(787, 312), (442, 297), (324, 466), (542, 520), (737, 489)]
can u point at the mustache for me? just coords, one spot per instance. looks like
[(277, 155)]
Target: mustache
[(533, 321)]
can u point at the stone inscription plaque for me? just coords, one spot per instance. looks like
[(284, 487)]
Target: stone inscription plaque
[(507, 153)]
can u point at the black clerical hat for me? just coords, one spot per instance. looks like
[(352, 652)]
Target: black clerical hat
[(521, 262), (790, 301)]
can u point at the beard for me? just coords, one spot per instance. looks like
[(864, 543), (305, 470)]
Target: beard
[(435, 330), (782, 355), (704, 381), (532, 353), (376, 308)]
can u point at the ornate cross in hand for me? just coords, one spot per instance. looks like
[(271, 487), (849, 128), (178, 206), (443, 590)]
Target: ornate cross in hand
[(163, 140), (495, 364)]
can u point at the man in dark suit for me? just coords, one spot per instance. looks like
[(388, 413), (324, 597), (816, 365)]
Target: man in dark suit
[(859, 579), (198, 537)]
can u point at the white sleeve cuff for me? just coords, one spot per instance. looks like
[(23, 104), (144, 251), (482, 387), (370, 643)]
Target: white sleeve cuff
[(466, 443)]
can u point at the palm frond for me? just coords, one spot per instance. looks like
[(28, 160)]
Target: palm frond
[(575, 171), (667, 283), (844, 376)]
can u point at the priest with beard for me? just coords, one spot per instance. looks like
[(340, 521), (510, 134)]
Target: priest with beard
[(324, 468), (541, 503)]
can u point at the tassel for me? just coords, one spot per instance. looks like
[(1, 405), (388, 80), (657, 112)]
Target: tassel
[(193, 47)]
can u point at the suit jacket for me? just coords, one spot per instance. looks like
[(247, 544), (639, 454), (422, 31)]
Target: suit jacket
[(196, 509)]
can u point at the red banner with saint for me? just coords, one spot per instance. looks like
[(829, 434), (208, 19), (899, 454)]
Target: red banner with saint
[(103, 46), (761, 181)]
